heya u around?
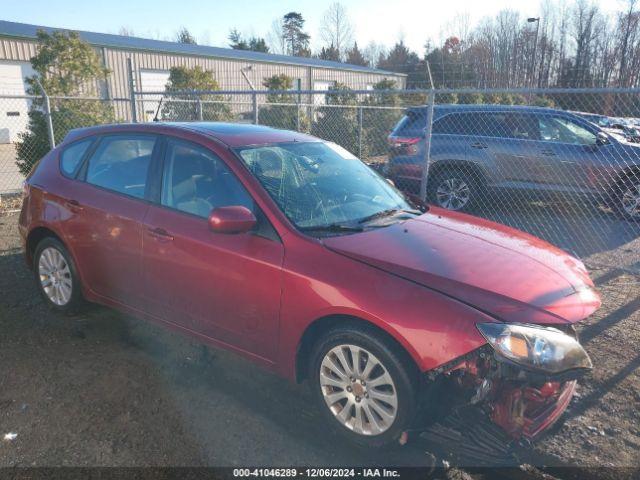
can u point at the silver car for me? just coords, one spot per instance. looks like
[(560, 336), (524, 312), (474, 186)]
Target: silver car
[(535, 150)]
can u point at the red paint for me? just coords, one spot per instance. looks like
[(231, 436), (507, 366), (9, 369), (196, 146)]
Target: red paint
[(236, 219), (426, 281)]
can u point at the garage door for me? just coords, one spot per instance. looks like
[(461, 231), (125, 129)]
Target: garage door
[(13, 111), (152, 81), (321, 86)]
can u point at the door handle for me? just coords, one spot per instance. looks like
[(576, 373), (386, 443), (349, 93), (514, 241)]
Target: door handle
[(548, 153), (479, 145), (160, 234), (74, 206)]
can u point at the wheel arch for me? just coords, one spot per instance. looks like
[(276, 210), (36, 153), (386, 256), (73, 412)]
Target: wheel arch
[(34, 237), (632, 171), (465, 165), (321, 325)]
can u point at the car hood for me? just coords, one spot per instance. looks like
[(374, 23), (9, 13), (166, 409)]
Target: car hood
[(513, 276)]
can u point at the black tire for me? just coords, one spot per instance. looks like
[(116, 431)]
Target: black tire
[(626, 186), (398, 365), (442, 178), (76, 301)]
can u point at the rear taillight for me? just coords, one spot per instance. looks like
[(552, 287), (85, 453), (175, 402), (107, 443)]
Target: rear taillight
[(26, 189), (404, 145)]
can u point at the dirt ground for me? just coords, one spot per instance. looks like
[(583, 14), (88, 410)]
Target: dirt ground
[(104, 389)]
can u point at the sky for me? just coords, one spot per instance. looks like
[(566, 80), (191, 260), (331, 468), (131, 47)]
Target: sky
[(381, 21)]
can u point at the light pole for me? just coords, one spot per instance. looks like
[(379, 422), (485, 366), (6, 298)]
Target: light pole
[(535, 46)]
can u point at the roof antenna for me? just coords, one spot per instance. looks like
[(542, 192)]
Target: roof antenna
[(155, 117)]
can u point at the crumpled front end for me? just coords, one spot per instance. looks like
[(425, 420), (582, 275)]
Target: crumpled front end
[(523, 401)]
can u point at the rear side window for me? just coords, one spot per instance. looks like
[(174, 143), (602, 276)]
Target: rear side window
[(488, 124), (71, 157), (411, 125), (121, 163), (454, 124)]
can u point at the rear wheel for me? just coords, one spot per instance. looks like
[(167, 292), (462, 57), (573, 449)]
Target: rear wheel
[(56, 276), (364, 386), (453, 189), (626, 200)]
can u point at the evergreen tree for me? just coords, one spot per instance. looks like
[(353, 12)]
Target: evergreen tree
[(184, 36), (66, 66), (297, 41), (329, 53), (355, 56), (184, 107), (336, 122), (286, 114), (237, 42)]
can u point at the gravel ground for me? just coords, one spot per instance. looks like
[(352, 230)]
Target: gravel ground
[(104, 389)]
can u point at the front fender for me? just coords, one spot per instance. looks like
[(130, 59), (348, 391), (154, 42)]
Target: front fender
[(433, 328)]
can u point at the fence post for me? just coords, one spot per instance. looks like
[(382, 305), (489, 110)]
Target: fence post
[(200, 113), (132, 92), (427, 147), (254, 100), (47, 115), (360, 132)]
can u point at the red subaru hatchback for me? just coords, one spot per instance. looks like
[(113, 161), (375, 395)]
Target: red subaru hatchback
[(291, 252)]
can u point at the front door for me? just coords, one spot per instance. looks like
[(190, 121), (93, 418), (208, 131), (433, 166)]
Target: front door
[(222, 286), (570, 151)]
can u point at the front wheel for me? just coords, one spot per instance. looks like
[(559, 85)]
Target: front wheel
[(364, 385)]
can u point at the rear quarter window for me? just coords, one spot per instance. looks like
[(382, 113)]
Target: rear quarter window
[(411, 125), (72, 155)]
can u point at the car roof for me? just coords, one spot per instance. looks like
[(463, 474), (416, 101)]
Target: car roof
[(231, 134), (442, 109)]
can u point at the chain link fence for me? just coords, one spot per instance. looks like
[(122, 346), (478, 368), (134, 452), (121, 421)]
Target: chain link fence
[(563, 165)]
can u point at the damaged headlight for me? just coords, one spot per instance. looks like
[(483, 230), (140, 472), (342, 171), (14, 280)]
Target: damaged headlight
[(536, 347)]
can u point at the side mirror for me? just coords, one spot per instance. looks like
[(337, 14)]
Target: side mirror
[(602, 138), (236, 219)]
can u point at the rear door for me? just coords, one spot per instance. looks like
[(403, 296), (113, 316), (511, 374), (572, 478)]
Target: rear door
[(104, 227), (508, 136), (222, 286)]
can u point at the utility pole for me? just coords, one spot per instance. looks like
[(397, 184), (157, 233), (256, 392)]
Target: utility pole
[(535, 48)]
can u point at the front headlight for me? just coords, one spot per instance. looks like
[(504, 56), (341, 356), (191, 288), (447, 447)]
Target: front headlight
[(536, 347)]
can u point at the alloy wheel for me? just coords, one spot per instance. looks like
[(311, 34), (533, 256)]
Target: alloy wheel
[(55, 276), (631, 200), (453, 193), (358, 390)]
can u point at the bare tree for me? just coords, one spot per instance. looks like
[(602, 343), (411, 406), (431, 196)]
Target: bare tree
[(126, 31), (336, 29), (276, 38), (373, 52)]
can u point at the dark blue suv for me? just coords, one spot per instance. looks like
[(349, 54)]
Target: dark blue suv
[(479, 148)]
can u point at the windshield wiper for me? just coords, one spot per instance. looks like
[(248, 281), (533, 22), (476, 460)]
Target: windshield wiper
[(332, 227), (387, 213)]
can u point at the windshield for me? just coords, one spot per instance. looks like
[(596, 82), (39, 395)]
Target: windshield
[(320, 184)]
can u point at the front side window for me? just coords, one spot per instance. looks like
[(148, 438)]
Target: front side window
[(195, 181), (317, 184), (121, 163), (559, 129), (72, 155)]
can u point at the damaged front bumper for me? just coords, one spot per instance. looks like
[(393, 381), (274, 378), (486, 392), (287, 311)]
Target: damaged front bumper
[(523, 401)]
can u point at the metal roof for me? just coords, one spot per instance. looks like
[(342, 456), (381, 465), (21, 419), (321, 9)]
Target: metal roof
[(24, 30)]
